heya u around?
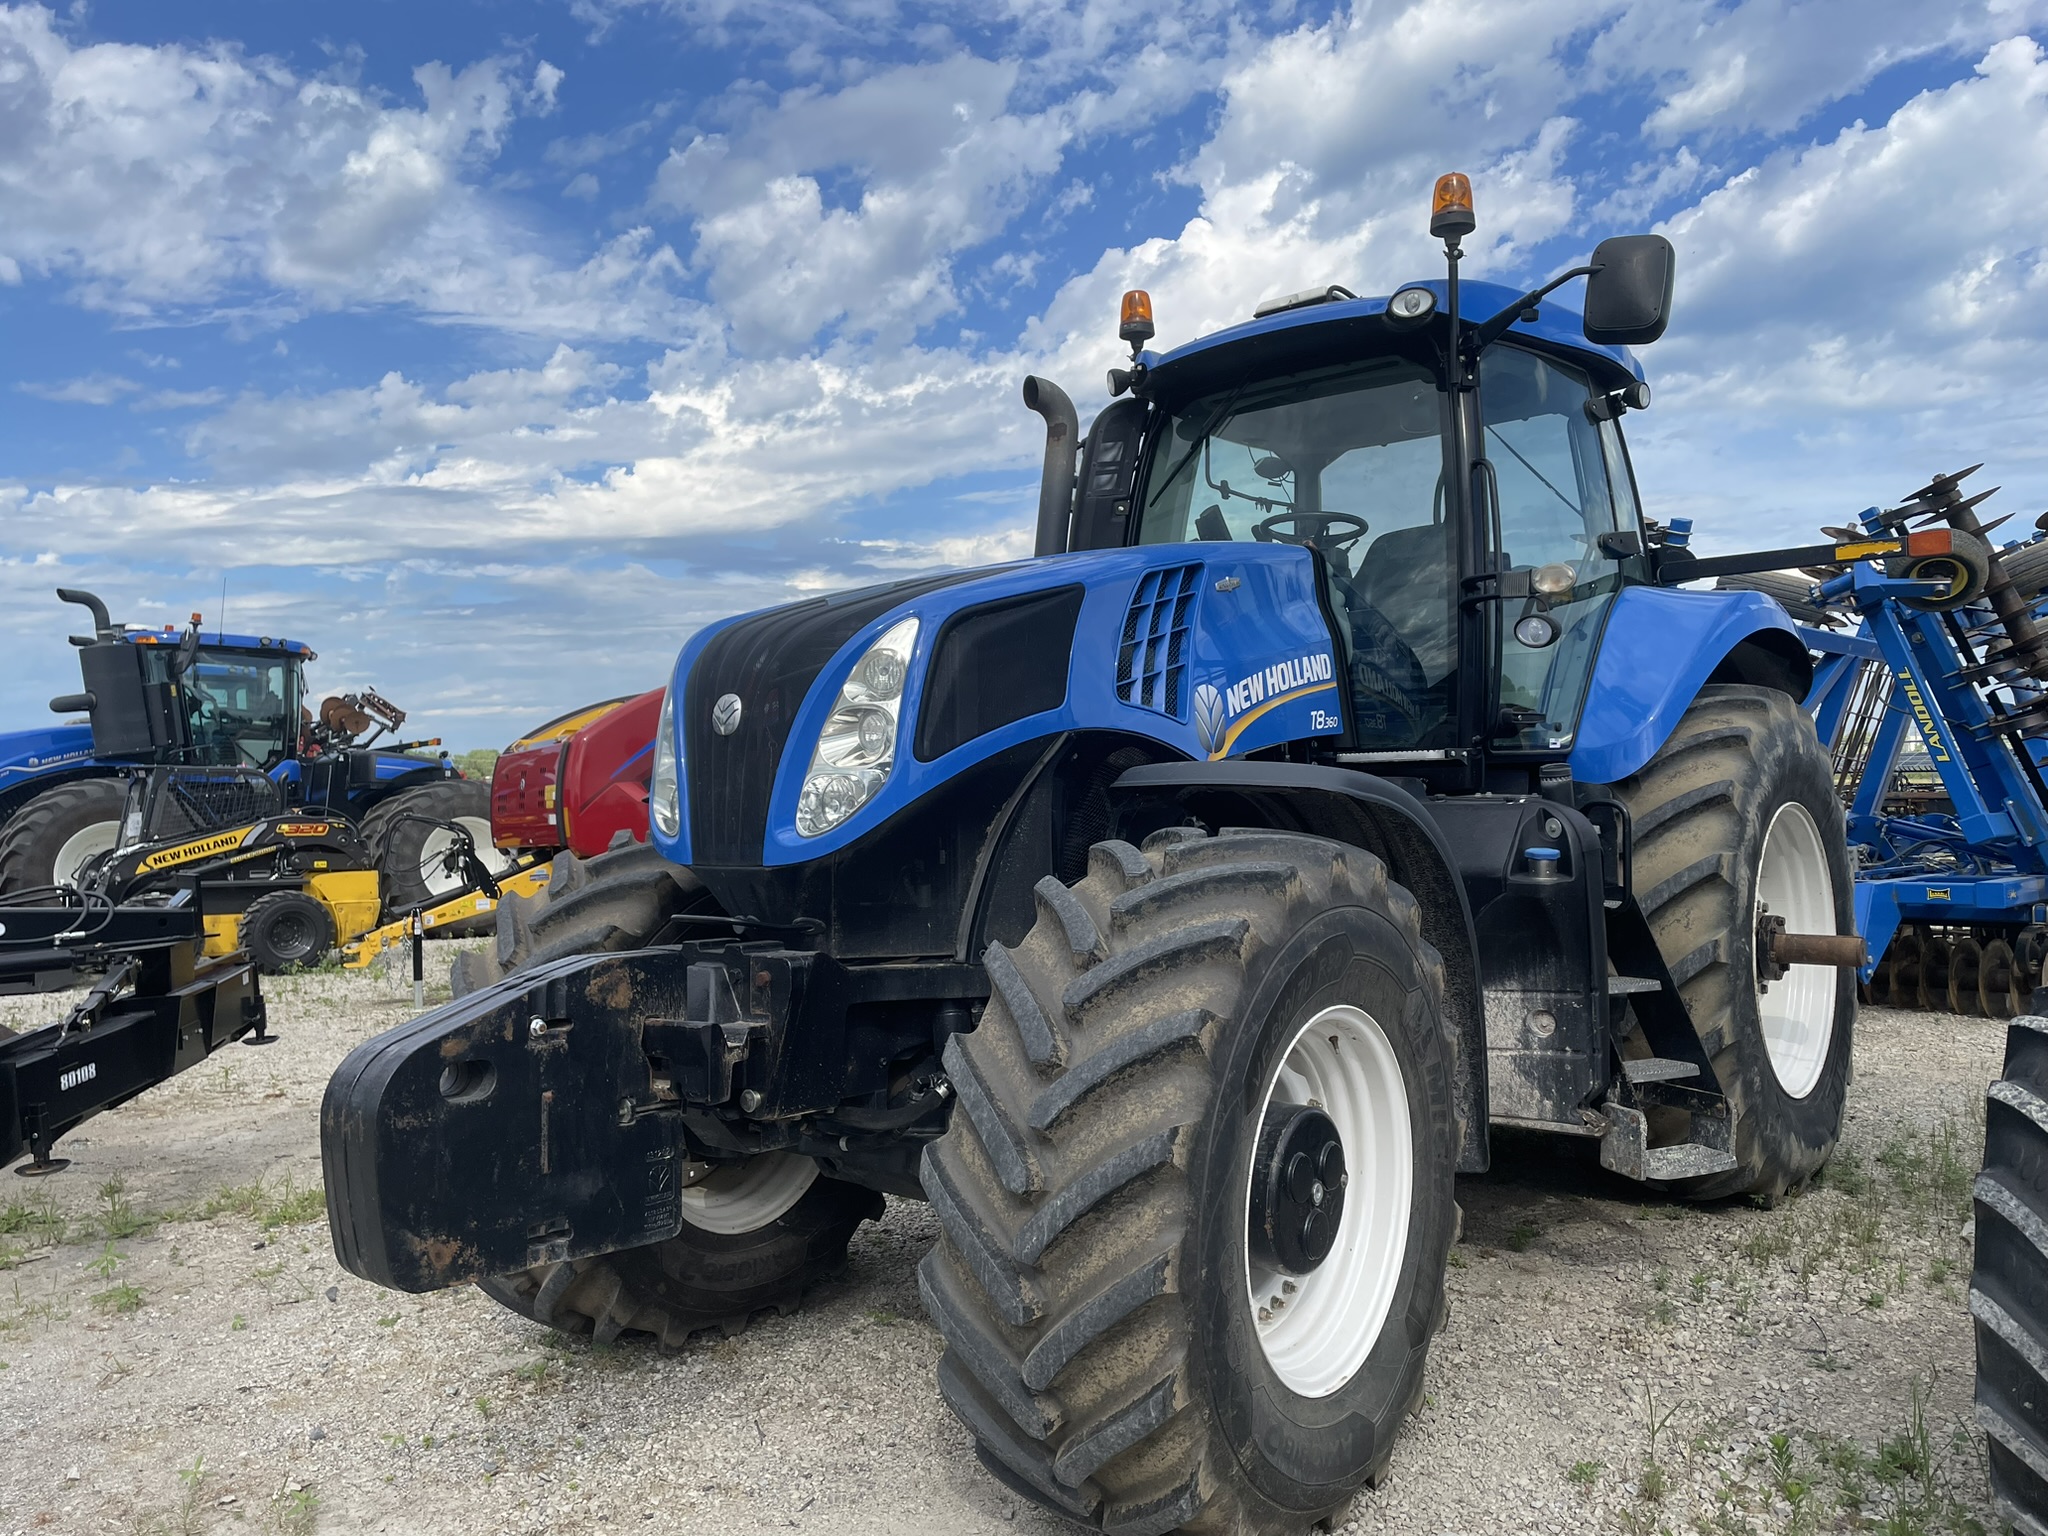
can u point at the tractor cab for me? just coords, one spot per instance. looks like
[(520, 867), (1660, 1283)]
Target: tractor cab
[(1353, 459), (1452, 454), (243, 703)]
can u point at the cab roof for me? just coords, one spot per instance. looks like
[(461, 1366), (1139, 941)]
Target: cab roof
[(1556, 328), (215, 640)]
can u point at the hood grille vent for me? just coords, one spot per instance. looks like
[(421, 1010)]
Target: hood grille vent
[(1152, 655)]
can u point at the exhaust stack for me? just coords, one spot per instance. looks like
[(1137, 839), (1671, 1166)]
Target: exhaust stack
[(1056, 480)]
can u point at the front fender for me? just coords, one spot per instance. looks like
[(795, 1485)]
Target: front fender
[(1661, 647)]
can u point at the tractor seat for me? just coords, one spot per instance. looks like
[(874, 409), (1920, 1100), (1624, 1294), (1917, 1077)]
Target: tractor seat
[(1404, 575)]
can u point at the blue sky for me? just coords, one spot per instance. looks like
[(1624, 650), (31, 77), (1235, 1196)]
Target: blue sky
[(491, 347)]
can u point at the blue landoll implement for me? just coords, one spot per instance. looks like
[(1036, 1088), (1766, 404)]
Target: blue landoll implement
[(1930, 689), (1177, 910), (210, 700)]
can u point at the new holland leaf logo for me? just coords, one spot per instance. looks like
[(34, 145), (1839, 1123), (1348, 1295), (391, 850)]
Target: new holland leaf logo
[(1209, 716)]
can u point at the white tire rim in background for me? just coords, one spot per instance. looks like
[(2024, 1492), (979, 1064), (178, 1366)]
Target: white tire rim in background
[(435, 876), (1798, 1010)]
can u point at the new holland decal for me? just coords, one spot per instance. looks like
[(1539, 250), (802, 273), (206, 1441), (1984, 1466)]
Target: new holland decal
[(1223, 714), (204, 848)]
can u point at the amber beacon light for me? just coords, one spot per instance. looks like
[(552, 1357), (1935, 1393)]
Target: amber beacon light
[(1450, 210), (1136, 324)]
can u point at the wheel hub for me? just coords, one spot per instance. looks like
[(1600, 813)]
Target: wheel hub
[(1298, 1184)]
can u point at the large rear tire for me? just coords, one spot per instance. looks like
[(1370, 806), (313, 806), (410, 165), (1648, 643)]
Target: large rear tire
[(1124, 1337), (409, 854), (52, 837), (755, 1235), (1736, 813), (2009, 1281)]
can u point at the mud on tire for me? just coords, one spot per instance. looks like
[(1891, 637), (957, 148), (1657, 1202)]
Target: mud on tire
[(2009, 1281), (1092, 1283), (1701, 810), (699, 1278)]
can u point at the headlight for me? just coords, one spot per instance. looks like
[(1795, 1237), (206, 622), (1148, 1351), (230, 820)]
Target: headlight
[(664, 802), (857, 747)]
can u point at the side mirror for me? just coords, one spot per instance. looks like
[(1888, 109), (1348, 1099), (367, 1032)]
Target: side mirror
[(1628, 295)]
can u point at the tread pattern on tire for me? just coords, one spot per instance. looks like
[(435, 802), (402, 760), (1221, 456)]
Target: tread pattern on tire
[(1687, 807), (1062, 1194), (617, 900), (622, 899), (2009, 1281), (29, 824)]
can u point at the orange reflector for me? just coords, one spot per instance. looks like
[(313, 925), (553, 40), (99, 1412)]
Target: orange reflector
[(1450, 209), (1931, 541), (1135, 326)]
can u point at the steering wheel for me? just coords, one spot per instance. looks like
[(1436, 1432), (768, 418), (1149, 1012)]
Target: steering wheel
[(1332, 532)]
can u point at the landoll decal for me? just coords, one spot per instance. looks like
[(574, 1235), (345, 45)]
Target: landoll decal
[(1221, 715)]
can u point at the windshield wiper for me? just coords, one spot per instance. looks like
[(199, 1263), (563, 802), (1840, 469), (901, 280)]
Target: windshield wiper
[(1216, 419)]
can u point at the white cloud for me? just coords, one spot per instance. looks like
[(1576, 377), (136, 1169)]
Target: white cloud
[(169, 179)]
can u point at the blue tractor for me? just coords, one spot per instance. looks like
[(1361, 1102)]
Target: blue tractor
[(237, 702), (1178, 911)]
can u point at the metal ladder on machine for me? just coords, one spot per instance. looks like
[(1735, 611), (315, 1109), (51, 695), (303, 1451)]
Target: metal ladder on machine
[(1951, 903)]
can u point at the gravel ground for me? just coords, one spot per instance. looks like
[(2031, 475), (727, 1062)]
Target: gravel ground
[(182, 1354)]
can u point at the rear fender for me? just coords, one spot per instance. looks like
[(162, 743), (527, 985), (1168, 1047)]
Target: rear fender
[(1660, 648), (1366, 812)]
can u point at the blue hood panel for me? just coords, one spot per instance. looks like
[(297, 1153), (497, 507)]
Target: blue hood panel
[(1243, 659)]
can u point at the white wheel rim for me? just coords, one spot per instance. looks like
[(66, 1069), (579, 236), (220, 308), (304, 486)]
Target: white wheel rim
[(1798, 1011), (1320, 1333), (744, 1197), (80, 848), (436, 878)]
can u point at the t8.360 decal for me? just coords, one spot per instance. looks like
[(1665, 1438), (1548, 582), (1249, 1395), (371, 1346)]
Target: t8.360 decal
[(1223, 714)]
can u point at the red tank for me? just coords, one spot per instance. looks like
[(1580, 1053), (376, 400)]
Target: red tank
[(579, 780)]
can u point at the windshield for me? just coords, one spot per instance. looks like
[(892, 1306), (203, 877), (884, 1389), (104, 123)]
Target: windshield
[(1348, 461), (1562, 481), (244, 709)]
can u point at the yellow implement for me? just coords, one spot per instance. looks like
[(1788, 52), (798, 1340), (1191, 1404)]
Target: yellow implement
[(523, 880)]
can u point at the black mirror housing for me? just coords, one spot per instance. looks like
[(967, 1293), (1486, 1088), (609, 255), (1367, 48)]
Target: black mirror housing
[(1628, 296)]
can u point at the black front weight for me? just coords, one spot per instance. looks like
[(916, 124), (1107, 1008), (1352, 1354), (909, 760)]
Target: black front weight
[(522, 1124)]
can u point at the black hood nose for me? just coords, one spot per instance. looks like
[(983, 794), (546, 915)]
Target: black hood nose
[(767, 663)]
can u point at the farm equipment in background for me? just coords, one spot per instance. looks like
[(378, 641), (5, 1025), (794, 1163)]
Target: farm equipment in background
[(286, 884), (207, 699), (1936, 708), (1177, 911), (579, 781), (157, 1004)]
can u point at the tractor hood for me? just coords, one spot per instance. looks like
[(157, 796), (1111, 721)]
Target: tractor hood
[(38, 750), (1208, 650)]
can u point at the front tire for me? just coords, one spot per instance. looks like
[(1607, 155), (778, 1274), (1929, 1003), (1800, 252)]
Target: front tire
[(1116, 1331), (755, 1236), (1737, 813)]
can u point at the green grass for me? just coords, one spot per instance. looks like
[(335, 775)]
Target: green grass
[(284, 1205), (120, 1297), (1521, 1237), (118, 1216)]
